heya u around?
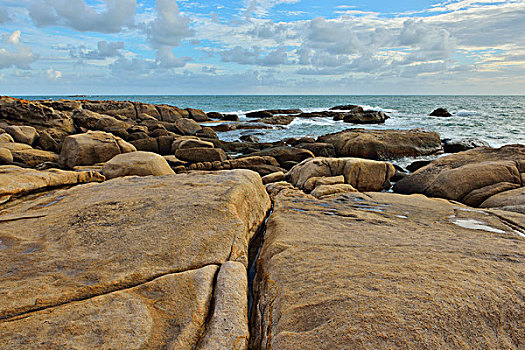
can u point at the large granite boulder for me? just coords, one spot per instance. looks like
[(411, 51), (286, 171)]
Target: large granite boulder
[(122, 109), (383, 144), (470, 177), (91, 148), (23, 134), (17, 182), (201, 154), (6, 157), (512, 200), (187, 126), (386, 271), (363, 174), (461, 145), (32, 157), (136, 163), (440, 112), (131, 263), (94, 121), (5, 138)]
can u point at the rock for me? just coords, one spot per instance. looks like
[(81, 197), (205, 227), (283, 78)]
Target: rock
[(239, 126), (198, 115), (275, 188), (476, 197), (316, 181), (23, 134), (208, 133), (511, 200), (136, 163), (195, 143), (16, 181), (366, 117), (270, 113), (249, 138), (383, 144), (440, 112), (362, 174), (418, 164), (170, 114), (5, 137), (215, 115), (174, 161), (32, 113), (120, 109), (455, 146), (458, 175), (273, 177), (91, 148), (228, 326), (386, 271), (284, 111), (319, 149), (187, 126), (47, 142), (300, 141), (164, 143), (200, 154), (5, 156), (33, 157), (353, 108), (328, 190), (65, 106), (264, 165), (285, 154), (84, 264), (149, 144), (276, 120), (230, 117), (146, 110), (125, 319), (94, 121)]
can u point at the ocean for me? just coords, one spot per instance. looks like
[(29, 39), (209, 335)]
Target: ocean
[(498, 120)]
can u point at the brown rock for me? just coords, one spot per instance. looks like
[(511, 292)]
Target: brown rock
[(198, 115), (383, 144), (277, 120), (5, 156), (196, 155), (145, 109), (47, 142), (208, 133), (314, 182), (285, 154), (187, 126), (328, 190), (23, 134), (136, 163), (149, 144), (385, 271), (91, 148), (171, 113), (476, 197), (319, 149), (121, 109), (273, 177), (195, 143), (362, 174), (511, 200), (5, 137), (141, 317), (33, 157)]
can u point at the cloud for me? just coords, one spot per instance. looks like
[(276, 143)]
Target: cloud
[(254, 56), (167, 59), (169, 27), (76, 14), (104, 50), (53, 75), (14, 53), (4, 15)]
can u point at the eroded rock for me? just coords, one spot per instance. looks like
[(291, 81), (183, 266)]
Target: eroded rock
[(136, 163)]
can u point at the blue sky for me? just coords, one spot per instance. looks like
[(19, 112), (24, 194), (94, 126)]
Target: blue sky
[(262, 47)]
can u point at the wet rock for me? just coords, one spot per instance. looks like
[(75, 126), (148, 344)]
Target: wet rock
[(16, 181), (440, 112), (385, 271), (418, 164), (271, 112), (196, 155), (187, 126), (207, 133), (353, 108), (458, 175), (5, 156), (285, 154), (383, 144), (239, 126), (230, 117), (91, 148), (455, 146), (319, 149), (362, 174), (23, 134), (198, 115), (249, 138), (366, 117), (276, 120), (136, 163), (215, 115), (273, 177)]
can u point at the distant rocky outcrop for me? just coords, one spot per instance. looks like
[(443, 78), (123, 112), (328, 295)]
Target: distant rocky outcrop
[(440, 112)]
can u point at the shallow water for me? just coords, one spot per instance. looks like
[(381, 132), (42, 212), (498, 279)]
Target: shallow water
[(499, 120)]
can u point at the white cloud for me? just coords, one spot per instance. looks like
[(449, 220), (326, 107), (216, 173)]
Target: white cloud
[(76, 14), (169, 27), (104, 50), (14, 53), (53, 75), (4, 15), (254, 56)]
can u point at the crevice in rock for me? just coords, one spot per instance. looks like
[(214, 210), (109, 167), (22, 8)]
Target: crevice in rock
[(119, 287), (510, 223), (136, 110), (159, 112), (204, 329)]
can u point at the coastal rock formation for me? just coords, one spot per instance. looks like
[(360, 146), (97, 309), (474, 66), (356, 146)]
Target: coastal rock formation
[(271, 112), (511, 200), (440, 112), (131, 263), (91, 148), (470, 177), (22, 134), (362, 174), (461, 145), (136, 163), (5, 156), (201, 154), (383, 144), (385, 271), (16, 181), (285, 154), (5, 138)]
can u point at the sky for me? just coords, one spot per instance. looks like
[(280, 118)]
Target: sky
[(207, 47)]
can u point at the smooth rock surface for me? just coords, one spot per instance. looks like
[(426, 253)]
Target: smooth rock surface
[(5, 156), (168, 312), (362, 174), (22, 134), (91, 148), (95, 239), (512, 200), (136, 163), (383, 144), (385, 271)]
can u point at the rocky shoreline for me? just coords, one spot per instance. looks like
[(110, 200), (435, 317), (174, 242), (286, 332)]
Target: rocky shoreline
[(126, 225)]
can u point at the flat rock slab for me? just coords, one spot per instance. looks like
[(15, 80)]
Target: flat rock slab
[(386, 271), (168, 312), (98, 238)]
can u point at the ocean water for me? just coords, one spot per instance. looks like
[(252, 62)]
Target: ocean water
[(498, 120)]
